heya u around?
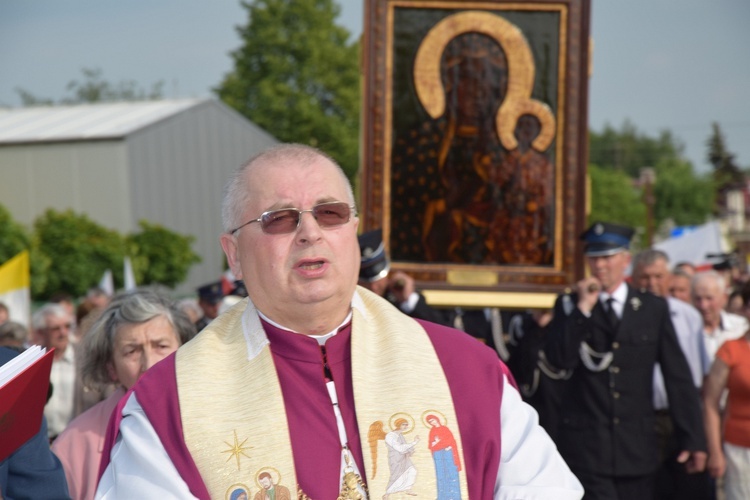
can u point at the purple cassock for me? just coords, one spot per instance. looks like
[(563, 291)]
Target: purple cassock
[(475, 377)]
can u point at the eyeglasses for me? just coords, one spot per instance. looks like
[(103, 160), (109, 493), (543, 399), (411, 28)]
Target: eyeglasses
[(59, 328), (286, 220)]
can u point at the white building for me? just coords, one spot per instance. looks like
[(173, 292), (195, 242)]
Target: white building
[(163, 161)]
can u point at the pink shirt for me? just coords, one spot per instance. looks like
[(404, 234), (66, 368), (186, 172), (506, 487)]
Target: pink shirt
[(79, 447)]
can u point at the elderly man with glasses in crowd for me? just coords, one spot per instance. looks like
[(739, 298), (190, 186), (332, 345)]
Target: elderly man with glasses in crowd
[(52, 325), (300, 378)]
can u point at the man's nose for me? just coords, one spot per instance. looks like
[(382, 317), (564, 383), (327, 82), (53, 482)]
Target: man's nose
[(309, 229)]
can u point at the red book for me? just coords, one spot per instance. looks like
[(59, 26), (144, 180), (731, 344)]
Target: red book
[(24, 382)]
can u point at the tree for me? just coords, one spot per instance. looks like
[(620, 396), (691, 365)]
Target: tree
[(93, 88), (726, 171), (160, 256), (80, 251), (681, 195), (14, 239), (28, 99), (627, 150), (614, 199), (297, 76)]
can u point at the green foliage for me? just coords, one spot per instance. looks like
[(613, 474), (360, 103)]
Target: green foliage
[(726, 172), (80, 251), (160, 256), (614, 199), (14, 239), (297, 76), (70, 252), (93, 88), (681, 195), (628, 151), (28, 99)]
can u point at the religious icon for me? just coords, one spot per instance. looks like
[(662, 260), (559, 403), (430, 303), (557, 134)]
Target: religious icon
[(475, 143), (482, 147), (445, 455), (269, 487), (238, 492), (403, 473)]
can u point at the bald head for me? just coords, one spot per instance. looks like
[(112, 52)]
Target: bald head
[(238, 190)]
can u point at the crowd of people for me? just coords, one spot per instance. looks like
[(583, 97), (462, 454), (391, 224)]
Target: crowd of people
[(102, 345), (584, 365), (303, 383)]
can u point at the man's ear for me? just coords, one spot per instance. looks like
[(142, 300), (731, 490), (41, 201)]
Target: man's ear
[(231, 250)]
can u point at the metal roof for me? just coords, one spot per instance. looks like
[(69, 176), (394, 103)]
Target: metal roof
[(85, 121)]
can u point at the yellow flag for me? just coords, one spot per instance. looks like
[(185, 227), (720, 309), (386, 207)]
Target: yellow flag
[(14, 287)]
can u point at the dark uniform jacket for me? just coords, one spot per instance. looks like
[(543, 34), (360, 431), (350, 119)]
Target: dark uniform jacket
[(607, 419), (422, 310), (542, 386)]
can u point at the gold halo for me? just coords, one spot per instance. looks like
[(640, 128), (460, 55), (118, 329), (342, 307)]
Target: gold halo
[(429, 86), (440, 416), (271, 471), (515, 110), (405, 416), (237, 486)]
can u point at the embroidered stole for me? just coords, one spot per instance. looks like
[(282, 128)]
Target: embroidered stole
[(235, 424)]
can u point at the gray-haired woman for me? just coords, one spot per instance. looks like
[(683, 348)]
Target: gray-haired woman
[(137, 330)]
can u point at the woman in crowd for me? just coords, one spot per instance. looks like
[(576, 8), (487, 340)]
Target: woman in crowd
[(134, 332), (730, 458)]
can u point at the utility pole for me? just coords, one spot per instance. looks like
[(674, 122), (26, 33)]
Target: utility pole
[(647, 181)]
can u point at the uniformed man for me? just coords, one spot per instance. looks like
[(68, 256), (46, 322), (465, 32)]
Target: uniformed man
[(209, 300), (611, 335), (396, 287), (542, 385)]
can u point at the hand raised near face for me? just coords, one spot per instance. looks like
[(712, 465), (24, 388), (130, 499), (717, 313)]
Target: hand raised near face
[(588, 293), (401, 285)]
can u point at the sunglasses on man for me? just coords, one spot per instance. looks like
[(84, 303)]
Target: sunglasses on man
[(286, 220)]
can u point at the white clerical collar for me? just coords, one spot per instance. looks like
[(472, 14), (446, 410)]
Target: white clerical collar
[(256, 337), (320, 338)]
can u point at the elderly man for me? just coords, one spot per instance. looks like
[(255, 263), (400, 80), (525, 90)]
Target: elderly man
[(710, 298), (291, 379), (651, 272), (52, 325), (611, 336)]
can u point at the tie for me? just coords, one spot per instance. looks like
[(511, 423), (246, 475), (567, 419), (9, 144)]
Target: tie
[(611, 314)]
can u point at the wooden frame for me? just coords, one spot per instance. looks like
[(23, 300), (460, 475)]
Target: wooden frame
[(474, 145)]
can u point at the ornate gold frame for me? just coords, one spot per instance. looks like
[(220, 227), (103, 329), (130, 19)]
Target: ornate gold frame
[(468, 284)]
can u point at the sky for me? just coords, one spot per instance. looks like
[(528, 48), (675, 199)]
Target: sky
[(660, 64)]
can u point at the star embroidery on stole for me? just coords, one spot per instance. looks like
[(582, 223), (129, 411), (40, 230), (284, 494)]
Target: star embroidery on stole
[(237, 449)]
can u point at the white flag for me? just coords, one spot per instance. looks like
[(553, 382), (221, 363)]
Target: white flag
[(129, 276), (107, 283)]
